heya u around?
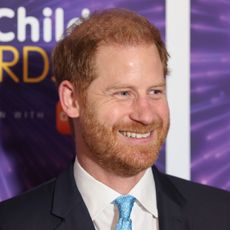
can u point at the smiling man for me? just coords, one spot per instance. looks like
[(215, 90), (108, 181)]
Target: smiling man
[(126, 103), (111, 75)]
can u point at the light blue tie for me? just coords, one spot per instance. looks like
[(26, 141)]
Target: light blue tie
[(124, 204)]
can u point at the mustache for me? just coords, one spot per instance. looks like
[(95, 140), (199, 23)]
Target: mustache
[(137, 127)]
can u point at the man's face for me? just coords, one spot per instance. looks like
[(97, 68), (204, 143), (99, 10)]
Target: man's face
[(125, 119)]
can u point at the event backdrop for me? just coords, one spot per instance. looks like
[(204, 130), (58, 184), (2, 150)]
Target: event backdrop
[(210, 92), (34, 144)]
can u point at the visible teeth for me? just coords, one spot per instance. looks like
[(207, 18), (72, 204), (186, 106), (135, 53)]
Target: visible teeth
[(136, 135)]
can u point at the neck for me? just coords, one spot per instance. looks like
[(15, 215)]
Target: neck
[(118, 183)]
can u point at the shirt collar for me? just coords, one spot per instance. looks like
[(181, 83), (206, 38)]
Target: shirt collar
[(96, 195), (90, 188), (145, 193)]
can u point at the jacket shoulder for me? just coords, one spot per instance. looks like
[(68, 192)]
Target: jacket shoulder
[(28, 209), (195, 190), (206, 206)]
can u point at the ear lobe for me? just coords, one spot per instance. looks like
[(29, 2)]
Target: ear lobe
[(68, 100)]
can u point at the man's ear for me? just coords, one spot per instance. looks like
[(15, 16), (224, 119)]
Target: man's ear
[(68, 99)]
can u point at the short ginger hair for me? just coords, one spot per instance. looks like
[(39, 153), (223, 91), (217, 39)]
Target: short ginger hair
[(74, 55)]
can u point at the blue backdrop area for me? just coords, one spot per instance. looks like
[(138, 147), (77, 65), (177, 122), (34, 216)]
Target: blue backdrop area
[(33, 147)]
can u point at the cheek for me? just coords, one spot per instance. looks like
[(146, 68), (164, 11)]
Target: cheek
[(113, 114), (163, 111)]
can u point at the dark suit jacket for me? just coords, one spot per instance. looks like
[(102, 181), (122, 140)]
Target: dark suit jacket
[(57, 204)]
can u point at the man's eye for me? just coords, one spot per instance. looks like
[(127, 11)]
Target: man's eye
[(155, 91), (123, 93), (158, 91)]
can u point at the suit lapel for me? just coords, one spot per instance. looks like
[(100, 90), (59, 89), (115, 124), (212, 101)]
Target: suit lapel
[(69, 206), (170, 203)]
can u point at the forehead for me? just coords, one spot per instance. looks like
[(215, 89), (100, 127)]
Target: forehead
[(117, 50), (118, 62)]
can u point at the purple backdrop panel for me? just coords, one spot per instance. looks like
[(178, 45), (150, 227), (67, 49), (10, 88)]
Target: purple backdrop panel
[(31, 148), (210, 94)]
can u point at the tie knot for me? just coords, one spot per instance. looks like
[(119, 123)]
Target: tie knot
[(125, 205)]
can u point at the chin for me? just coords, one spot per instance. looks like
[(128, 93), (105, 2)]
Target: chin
[(134, 165)]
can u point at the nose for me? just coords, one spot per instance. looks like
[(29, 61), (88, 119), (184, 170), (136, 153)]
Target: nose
[(142, 111)]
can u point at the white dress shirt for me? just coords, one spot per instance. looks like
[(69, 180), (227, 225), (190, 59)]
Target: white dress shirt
[(99, 200)]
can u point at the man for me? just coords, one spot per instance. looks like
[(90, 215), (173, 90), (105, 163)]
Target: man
[(111, 73)]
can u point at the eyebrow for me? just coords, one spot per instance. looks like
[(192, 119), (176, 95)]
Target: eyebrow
[(159, 85), (125, 86)]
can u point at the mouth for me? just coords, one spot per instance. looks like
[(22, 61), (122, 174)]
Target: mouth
[(135, 135)]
